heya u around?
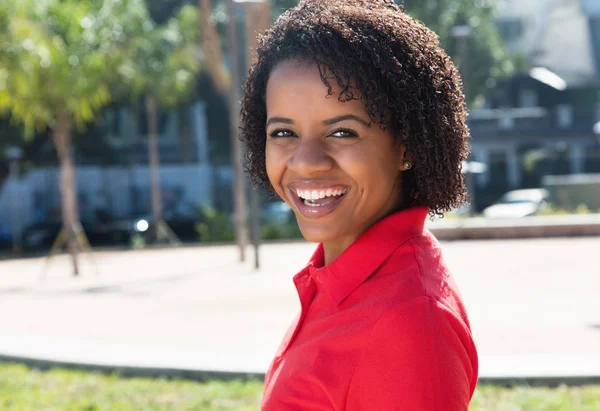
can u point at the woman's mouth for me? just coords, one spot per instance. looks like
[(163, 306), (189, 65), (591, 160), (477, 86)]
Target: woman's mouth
[(319, 198), (314, 203)]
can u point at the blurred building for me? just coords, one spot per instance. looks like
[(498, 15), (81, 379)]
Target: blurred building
[(541, 121), (113, 175)]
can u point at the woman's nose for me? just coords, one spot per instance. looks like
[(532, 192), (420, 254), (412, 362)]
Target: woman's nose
[(310, 157)]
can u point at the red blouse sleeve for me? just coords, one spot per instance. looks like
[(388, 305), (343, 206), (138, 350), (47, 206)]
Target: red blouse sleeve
[(420, 357)]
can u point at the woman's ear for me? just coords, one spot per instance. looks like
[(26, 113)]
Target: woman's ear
[(406, 160)]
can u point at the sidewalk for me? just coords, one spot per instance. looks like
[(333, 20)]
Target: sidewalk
[(195, 312)]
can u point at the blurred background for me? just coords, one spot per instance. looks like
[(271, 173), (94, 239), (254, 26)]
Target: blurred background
[(529, 69), (118, 123)]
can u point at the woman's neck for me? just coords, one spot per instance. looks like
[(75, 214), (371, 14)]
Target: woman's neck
[(333, 249)]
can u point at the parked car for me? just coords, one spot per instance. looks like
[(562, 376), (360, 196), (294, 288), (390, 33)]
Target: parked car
[(42, 234), (181, 219), (518, 203), (5, 238)]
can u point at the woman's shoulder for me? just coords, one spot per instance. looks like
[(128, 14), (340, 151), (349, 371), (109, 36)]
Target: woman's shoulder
[(417, 270), (421, 340)]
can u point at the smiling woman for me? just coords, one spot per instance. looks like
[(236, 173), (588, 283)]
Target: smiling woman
[(355, 117), (323, 157)]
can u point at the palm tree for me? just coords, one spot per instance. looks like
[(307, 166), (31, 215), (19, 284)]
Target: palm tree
[(162, 67), (57, 60), (228, 84)]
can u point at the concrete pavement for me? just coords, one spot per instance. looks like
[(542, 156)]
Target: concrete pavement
[(533, 304)]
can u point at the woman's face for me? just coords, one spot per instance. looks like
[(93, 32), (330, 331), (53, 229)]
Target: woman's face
[(336, 171)]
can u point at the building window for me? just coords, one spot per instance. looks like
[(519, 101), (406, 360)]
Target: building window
[(595, 34), (564, 115), (506, 120), (528, 98), (511, 30)]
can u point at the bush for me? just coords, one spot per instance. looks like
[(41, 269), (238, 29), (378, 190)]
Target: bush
[(286, 231), (217, 226), (554, 210), (214, 226)]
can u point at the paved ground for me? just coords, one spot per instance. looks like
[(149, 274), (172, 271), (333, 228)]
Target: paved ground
[(534, 306)]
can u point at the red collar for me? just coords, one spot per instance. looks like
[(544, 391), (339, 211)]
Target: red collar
[(366, 254)]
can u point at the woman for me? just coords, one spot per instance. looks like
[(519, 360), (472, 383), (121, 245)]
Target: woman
[(355, 117)]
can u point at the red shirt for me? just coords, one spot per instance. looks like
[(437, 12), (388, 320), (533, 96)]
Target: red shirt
[(381, 328)]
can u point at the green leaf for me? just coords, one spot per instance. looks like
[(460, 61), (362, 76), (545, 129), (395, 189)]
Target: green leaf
[(58, 54)]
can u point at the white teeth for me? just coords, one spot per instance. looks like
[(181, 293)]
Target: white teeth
[(319, 194), (312, 204)]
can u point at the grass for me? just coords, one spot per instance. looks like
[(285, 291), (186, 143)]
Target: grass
[(563, 398), (24, 389)]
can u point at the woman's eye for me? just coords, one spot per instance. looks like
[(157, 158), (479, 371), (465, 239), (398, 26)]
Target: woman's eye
[(281, 134), (343, 133)]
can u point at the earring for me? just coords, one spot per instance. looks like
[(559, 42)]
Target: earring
[(407, 165)]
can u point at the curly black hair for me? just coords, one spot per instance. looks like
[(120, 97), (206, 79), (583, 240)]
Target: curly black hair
[(391, 62)]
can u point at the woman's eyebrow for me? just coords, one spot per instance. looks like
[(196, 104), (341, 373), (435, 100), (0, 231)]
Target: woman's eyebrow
[(279, 120), (328, 122), (346, 117)]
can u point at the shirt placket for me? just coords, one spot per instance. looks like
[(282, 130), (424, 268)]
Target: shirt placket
[(307, 288)]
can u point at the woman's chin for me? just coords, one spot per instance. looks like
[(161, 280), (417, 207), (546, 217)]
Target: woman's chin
[(315, 233)]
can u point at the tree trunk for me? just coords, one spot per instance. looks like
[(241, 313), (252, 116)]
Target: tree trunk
[(237, 155), (212, 48), (68, 188), (154, 163)]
